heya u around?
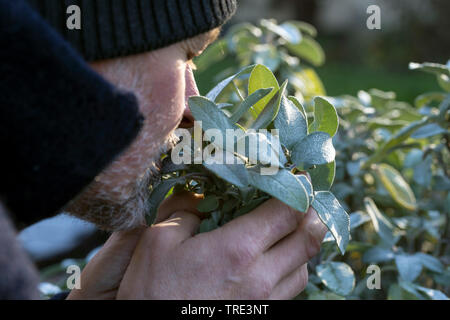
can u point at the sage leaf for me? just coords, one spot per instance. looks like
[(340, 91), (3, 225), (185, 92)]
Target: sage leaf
[(211, 116), (284, 186), (397, 187), (325, 117), (217, 90), (248, 103), (408, 266), (261, 77), (291, 123), (208, 204), (270, 111), (334, 217), (337, 276), (317, 148), (322, 176)]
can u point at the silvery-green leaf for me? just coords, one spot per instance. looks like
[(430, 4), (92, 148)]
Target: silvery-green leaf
[(358, 218), (248, 103), (378, 254), (284, 186), (337, 276), (381, 224), (299, 105), (317, 148), (334, 217), (287, 31), (217, 90), (234, 173), (325, 117), (322, 176), (409, 266), (309, 50), (432, 294), (308, 186), (427, 131), (260, 148), (430, 262), (211, 116), (291, 123)]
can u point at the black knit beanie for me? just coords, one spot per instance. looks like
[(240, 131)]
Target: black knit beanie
[(112, 28)]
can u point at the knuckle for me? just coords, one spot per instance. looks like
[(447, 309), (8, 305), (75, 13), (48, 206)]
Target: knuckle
[(240, 254), (314, 246), (156, 236), (261, 290), (288, 219)]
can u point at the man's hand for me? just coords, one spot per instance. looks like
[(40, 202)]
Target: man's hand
[(260, 255)]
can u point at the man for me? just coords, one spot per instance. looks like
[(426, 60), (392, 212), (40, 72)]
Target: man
[(87, 138)]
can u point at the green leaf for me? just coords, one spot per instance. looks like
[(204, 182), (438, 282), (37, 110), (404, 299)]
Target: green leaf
[(233, 173), (308, 186), (317, 148), (381, 224), (408, 266), (432, 294), (291, 123), (334, 217), (211, 116), (358, 218), (261, 148), (248, 103), (217, 90), (304, 27), (322, 176), (299, 105), (428, 130), (378, 254), (325, 117), (337, 276), (286, 31), (158, 194), (397, 187), (261, 77), (309, 50), (284, 186), (207, 225), (430, 262), (208, 204), (270, 112)]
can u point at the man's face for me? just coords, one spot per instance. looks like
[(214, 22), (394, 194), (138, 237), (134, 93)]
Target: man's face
[(163, 81)]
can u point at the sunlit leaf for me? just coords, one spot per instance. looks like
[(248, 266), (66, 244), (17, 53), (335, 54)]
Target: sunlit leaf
[(337, 276)]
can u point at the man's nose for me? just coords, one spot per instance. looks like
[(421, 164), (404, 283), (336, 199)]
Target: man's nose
[(191, 90)]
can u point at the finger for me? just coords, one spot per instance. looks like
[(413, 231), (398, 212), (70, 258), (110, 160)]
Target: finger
[(297, 248), (169, 233), (263, 227), (180, 201), (292, 285)]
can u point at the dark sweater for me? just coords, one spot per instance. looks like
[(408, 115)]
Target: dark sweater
[(61, 123)]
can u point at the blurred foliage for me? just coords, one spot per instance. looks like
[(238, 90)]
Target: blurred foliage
[(392, 167)]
